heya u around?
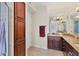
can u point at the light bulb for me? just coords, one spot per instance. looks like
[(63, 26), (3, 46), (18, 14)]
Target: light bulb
[(77, 9)]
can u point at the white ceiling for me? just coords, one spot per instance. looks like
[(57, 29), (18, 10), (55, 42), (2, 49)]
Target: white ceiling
[(62, 4), (57, 8)]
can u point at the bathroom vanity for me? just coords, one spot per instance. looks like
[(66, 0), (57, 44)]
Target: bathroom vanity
[(65, 42)]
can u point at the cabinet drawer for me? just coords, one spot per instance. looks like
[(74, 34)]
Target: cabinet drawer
[(53, 37), (50, 37)]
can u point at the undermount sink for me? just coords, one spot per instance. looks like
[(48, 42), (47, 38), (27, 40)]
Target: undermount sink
[(54, 34)]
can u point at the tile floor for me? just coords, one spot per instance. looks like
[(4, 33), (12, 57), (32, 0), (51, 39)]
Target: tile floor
[(33, 51)]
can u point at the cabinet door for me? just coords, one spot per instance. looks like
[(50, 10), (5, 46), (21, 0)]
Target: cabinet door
[(55, 43), (58, 43), (69, 50), (50, 44)]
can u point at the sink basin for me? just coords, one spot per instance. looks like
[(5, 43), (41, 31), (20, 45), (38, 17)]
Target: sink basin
[(53, 34)]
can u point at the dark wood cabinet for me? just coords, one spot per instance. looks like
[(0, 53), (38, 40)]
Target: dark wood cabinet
[(19, 28), (68, 50), (54, 42), (59, 43)]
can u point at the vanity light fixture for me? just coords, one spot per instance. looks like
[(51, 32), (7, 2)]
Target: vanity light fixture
[(58, 18), (61, 17), (77, 17), (77, 9)]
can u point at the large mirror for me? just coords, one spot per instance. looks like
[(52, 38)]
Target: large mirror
[(53, 26), (76, 27), (56, 25), (63, 26)]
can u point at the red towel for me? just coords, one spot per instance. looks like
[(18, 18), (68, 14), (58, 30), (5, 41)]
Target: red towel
[(42, 31)]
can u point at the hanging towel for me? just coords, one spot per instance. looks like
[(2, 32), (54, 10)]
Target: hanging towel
[(42, 31), (2, 38)]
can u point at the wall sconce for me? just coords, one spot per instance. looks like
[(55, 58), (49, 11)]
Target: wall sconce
[(77, 17), (59, 18), (77, 9)]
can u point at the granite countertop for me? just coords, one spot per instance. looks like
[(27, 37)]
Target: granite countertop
[(71, 39)]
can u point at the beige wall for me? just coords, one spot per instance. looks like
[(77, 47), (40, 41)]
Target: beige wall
[(40, 18)]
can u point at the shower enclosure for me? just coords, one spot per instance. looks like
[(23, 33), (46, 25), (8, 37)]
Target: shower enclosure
[(4, 17)]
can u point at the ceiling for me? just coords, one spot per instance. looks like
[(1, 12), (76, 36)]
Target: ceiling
[(62, 4), (57, 8)]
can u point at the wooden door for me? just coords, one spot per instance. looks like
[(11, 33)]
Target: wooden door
[(19, 28)]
